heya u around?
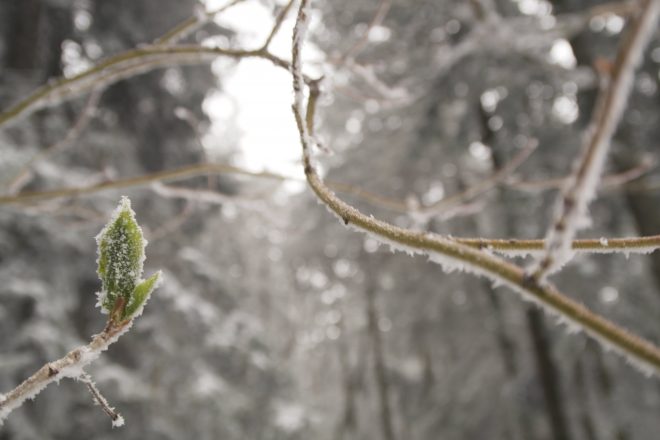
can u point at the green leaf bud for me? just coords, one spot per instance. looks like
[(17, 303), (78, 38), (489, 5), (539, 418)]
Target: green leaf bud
[(121, 256)]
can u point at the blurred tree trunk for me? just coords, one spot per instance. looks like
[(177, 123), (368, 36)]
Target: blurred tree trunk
[(378, 353)]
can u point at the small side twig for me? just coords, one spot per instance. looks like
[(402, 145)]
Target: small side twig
[(175, 174), (117, 419), (278, 24)]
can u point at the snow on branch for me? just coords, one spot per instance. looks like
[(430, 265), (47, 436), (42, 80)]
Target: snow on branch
[(571, 209), (70, 366), (117, 419)]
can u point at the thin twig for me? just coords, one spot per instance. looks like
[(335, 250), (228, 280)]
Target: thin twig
[(181, 173), (581, 188), (278, 24), (204, 196), (117, 419), (453, 255)]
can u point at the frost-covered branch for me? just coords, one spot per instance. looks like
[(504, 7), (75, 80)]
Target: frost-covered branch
[(571, 210), (117, 419), (603, 245), (70, 366), (123, 297), (452, 255)]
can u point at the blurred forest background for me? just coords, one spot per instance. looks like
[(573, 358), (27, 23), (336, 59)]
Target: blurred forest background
[(275, 321)]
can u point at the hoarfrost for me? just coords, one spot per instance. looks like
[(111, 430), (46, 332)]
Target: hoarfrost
[(118, 421)]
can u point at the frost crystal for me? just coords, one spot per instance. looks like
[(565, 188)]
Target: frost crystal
[(118, 422)]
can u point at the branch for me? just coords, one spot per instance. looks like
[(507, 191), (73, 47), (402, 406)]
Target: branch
[(278, 23), (117, 419), (71, 366), (581, 188), (453, 255), (175, 174)]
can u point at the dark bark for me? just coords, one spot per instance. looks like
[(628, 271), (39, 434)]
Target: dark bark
[(548, 374)]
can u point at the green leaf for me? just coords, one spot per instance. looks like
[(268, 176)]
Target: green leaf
[(121, 256), (141, 294)]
